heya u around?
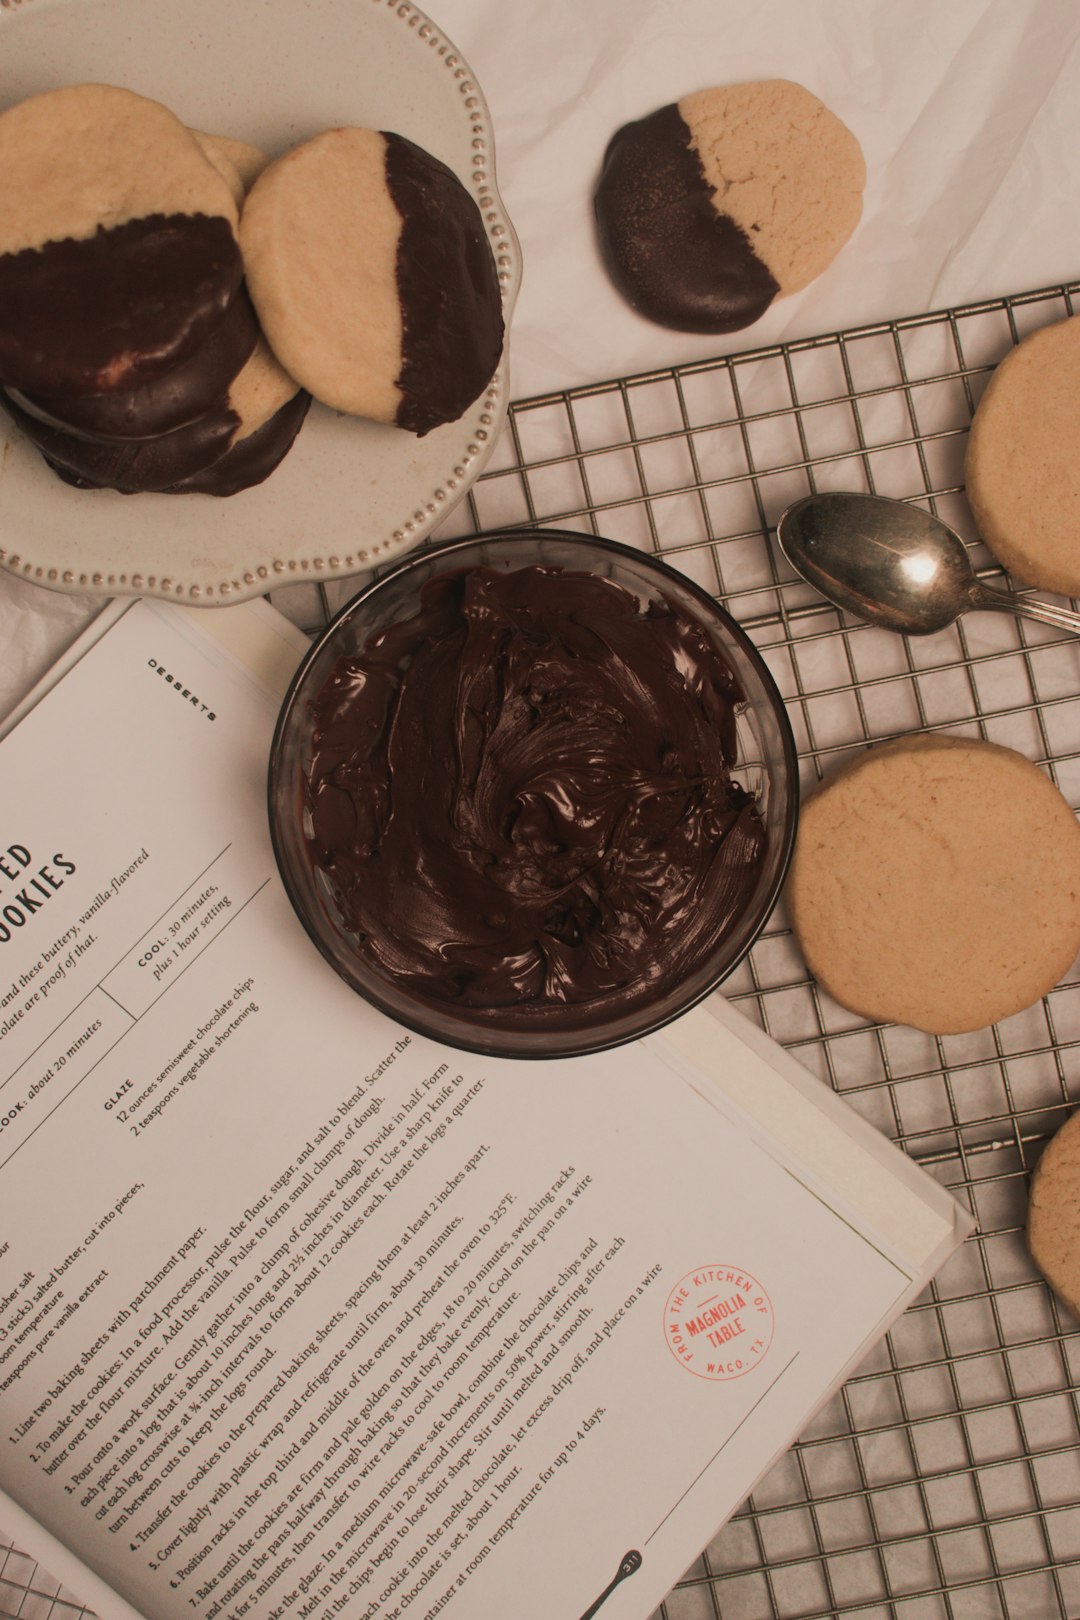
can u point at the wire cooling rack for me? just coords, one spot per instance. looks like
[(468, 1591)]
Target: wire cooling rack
[(943, 1481)]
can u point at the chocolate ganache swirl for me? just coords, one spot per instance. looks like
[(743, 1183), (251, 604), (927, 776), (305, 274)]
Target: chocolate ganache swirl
[(521, 797)]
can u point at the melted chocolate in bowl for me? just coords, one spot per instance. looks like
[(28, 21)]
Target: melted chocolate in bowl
[(519, 810)]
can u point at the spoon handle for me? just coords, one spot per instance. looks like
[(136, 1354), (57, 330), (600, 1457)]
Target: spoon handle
[(982, 596), (630, 1564)]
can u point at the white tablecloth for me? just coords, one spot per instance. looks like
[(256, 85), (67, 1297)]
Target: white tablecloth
[(968, 112)]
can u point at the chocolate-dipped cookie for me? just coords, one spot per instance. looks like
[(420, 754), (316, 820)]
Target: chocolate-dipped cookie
[(171, 401), (253, 457), (261, 391), (129, 465), (709, 209), (372, 276), (168, 462), (118, 250)]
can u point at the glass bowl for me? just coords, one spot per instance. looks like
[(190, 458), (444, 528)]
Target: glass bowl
[(499, 1009)]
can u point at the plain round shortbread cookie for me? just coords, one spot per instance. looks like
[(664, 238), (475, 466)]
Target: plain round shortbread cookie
[(373, 279), (118, 250), (709, 209), (1022, 470), (936, 882), (1053, 1226)]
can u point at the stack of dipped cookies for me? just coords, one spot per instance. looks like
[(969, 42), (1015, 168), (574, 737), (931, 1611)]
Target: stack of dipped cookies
[(171, 301), (130, 354)]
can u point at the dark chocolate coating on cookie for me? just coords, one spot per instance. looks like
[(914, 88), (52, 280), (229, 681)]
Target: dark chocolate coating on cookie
[(134, 465), (116, 309), (448, 288), (183, 394), (671, 254), (253, 459)]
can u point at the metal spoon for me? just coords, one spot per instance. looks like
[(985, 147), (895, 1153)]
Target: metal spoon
[(893, 564)]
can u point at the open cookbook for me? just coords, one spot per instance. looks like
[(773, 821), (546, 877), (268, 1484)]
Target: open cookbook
[(302, 1314)]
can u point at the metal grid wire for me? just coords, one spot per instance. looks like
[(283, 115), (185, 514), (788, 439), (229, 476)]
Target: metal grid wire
[(943, 1481), (29, 1592)]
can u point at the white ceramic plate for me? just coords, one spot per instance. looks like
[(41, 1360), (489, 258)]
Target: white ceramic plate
[(350, 493)]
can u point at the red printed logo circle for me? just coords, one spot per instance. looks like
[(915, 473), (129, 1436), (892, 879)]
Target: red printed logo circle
[(718, 1322)]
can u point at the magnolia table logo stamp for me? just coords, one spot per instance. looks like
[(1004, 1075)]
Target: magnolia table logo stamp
[(718, 1322)]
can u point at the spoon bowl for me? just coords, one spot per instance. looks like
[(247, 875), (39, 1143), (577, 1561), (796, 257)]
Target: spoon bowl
[(894, 565)]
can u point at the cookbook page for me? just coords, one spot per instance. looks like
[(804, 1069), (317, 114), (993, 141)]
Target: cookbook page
[(303, 1314)]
